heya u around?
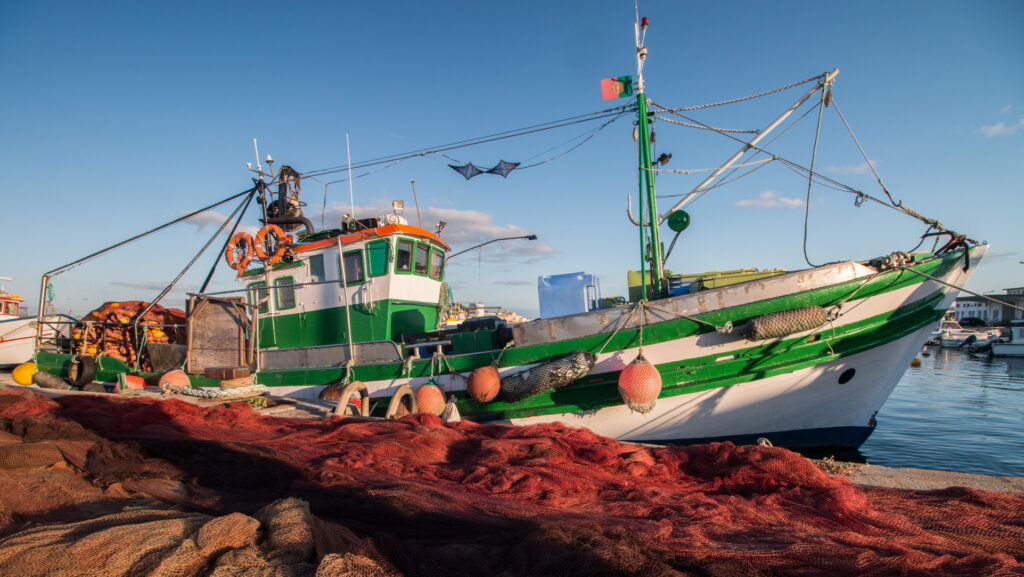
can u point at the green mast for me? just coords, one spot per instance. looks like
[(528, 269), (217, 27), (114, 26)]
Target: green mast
[(651, 249)]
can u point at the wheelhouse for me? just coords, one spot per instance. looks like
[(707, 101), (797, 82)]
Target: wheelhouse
[(371, 285)]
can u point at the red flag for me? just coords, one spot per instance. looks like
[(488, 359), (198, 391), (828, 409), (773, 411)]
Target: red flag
[(612, 88)]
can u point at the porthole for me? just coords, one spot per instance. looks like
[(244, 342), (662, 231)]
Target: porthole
[(846, 376)]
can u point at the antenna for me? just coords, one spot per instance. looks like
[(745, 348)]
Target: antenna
[(351, 197), (259, 167), (414, 197)]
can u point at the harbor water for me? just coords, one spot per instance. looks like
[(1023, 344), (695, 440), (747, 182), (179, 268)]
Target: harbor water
[(956, 412)]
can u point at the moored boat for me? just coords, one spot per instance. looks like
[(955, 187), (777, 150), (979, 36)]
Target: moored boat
[(952, 335), (804, 358), (18, 333), (1015, 346)]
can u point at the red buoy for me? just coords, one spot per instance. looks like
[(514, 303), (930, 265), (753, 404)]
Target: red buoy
[(640, 385), (174, 379), (484, 384), (430, 399)]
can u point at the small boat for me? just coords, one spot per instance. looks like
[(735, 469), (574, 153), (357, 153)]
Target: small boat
[(803, 358), (18, 333), (951, 335), (1015, 346)]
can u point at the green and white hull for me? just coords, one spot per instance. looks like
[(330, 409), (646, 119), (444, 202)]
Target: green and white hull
[(818, 387)]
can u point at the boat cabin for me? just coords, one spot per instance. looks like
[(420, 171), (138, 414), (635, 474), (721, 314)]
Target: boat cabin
[(10, 305), (376, 283)]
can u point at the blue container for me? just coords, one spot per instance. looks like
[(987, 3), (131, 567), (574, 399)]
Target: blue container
[(677, 286), (568, 294)]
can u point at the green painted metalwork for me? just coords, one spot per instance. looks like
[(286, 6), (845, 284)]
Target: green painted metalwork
[(653, 250)]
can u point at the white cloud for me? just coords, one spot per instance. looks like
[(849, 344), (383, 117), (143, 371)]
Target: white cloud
[(858, 169), (155, 286), (1001, 129), (769, 199), (208, 217), (463, 229), (1006, 108)]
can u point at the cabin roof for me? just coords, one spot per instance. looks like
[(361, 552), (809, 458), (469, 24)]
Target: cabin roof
[(379, 231)]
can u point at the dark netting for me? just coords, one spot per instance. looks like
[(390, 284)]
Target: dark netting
[(101, 485)]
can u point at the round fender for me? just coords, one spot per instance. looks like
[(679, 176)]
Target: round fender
[(400, 406), (353, 389), (260, 244), (239, 251), (45, 380), (82, 370)]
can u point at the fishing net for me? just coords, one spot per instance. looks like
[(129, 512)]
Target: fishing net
[(110, 330), (101, 485)]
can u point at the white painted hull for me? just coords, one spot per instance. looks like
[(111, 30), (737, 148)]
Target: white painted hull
[(806, 400), (17, 340), (1008, 349)]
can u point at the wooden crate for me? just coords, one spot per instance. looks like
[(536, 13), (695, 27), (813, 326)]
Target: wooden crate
[(218, 330)]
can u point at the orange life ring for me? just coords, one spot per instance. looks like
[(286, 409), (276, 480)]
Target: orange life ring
[(239, 251), (282, 242)]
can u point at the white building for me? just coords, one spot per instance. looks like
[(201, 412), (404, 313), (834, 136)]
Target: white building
[(991, 312)]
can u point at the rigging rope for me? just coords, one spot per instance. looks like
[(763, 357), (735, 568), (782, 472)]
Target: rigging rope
[(693, 170), (743, 98), (810, 179), (705, 127), (617, 111)]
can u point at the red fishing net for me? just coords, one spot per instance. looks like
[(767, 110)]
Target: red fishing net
[(101, 485)]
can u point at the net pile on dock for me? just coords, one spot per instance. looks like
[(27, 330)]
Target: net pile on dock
[(110, 330), (98, 484)]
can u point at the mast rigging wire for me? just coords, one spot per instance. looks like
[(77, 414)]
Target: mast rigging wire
[(617, 111)]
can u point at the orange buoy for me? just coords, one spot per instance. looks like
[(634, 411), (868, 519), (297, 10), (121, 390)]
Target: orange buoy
[(239, 251), (640, 385), (430, 399), (484, 384), (134, 382), (174, 379), (260, 244)]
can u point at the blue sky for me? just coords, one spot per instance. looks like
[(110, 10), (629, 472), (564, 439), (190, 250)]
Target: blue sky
[(118, 117)]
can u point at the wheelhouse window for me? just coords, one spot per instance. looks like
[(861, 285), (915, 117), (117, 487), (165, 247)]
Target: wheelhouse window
[(379, 254), (403, 256), (437, 264), (316, 268), (285, 289), (11, 308), (422, 261), (258, 295), (354, 271)]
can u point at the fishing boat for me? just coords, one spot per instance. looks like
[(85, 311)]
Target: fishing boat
[(18, 332), (802, 358)]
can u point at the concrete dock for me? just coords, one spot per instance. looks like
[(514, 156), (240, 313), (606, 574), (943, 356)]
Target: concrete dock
[(861, 474)]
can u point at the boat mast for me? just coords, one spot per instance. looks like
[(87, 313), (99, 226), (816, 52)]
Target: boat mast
[(652, 252)]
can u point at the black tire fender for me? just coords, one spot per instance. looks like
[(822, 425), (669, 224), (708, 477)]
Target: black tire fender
[(82, 370)]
